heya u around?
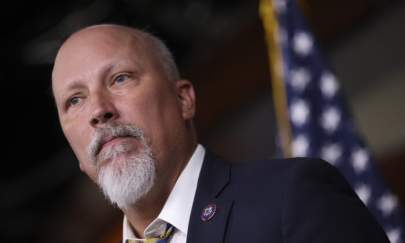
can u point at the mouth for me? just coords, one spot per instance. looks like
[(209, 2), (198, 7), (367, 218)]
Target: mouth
[(111, 136), (109, 141)]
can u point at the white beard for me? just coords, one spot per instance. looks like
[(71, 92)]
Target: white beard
[(125, 181)]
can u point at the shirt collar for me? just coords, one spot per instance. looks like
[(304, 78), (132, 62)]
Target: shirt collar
[(177, 208)]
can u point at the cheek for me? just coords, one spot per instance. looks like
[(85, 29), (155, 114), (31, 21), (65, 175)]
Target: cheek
[(160, 118), (75, 128), (152, 114), (76, 134)]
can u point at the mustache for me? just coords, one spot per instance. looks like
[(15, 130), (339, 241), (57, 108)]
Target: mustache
[(109, 132)]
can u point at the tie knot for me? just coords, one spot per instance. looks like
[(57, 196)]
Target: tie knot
[(168, 232), (162, 238)]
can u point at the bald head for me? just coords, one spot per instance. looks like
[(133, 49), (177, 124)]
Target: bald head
[(122, 35)]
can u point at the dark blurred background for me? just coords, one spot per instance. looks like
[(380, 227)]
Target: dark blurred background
[(220, 46)]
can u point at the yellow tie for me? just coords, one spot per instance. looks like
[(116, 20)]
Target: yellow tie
[(163, 238)]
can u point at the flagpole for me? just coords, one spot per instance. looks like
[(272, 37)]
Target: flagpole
[(270, 25)]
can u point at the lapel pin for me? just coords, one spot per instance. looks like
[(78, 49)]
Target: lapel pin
[(208, 212)]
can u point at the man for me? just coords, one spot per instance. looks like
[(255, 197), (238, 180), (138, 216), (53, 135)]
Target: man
[(128, 117)]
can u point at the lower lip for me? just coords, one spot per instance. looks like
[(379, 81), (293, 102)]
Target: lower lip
[(128, 141), (118, 140)]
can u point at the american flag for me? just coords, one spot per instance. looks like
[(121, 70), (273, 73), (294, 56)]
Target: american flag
[(318, 118)]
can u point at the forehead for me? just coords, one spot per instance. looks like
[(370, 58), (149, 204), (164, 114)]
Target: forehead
[(89, 52)]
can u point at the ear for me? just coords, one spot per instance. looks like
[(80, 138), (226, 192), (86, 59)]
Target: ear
[(186, 97)]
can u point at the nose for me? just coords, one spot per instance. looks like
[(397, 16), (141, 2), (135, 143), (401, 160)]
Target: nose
[(103, 111)]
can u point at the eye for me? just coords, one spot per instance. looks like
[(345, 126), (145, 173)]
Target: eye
[(72, 101), (121, 78)]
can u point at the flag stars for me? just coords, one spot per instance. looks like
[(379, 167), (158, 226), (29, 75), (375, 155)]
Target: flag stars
[(360, 159), (300, 78), (387, 204), (364, 193), (302, 43), (330, 119), (300, 146), (329, 85), (394, 235), (299, 112), (331, 153)]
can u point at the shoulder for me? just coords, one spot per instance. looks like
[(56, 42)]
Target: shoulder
[(275, 175), (301, 178), (291, 179), (287, 170)]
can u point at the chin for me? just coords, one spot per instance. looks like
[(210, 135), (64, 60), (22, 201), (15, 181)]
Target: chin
[(126, 179)]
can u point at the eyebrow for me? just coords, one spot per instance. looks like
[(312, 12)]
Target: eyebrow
[(76, 84)]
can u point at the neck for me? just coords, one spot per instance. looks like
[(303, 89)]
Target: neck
[(141, 214)]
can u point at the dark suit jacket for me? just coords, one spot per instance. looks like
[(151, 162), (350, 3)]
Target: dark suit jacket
[(290, 201)]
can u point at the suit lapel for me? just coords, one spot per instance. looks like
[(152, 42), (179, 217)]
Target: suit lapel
[(214, 177)]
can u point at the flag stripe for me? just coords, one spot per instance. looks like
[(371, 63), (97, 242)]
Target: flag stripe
[(277, 74)]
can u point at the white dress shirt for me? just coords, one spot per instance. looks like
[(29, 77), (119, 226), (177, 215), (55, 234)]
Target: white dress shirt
[(177, 209)]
